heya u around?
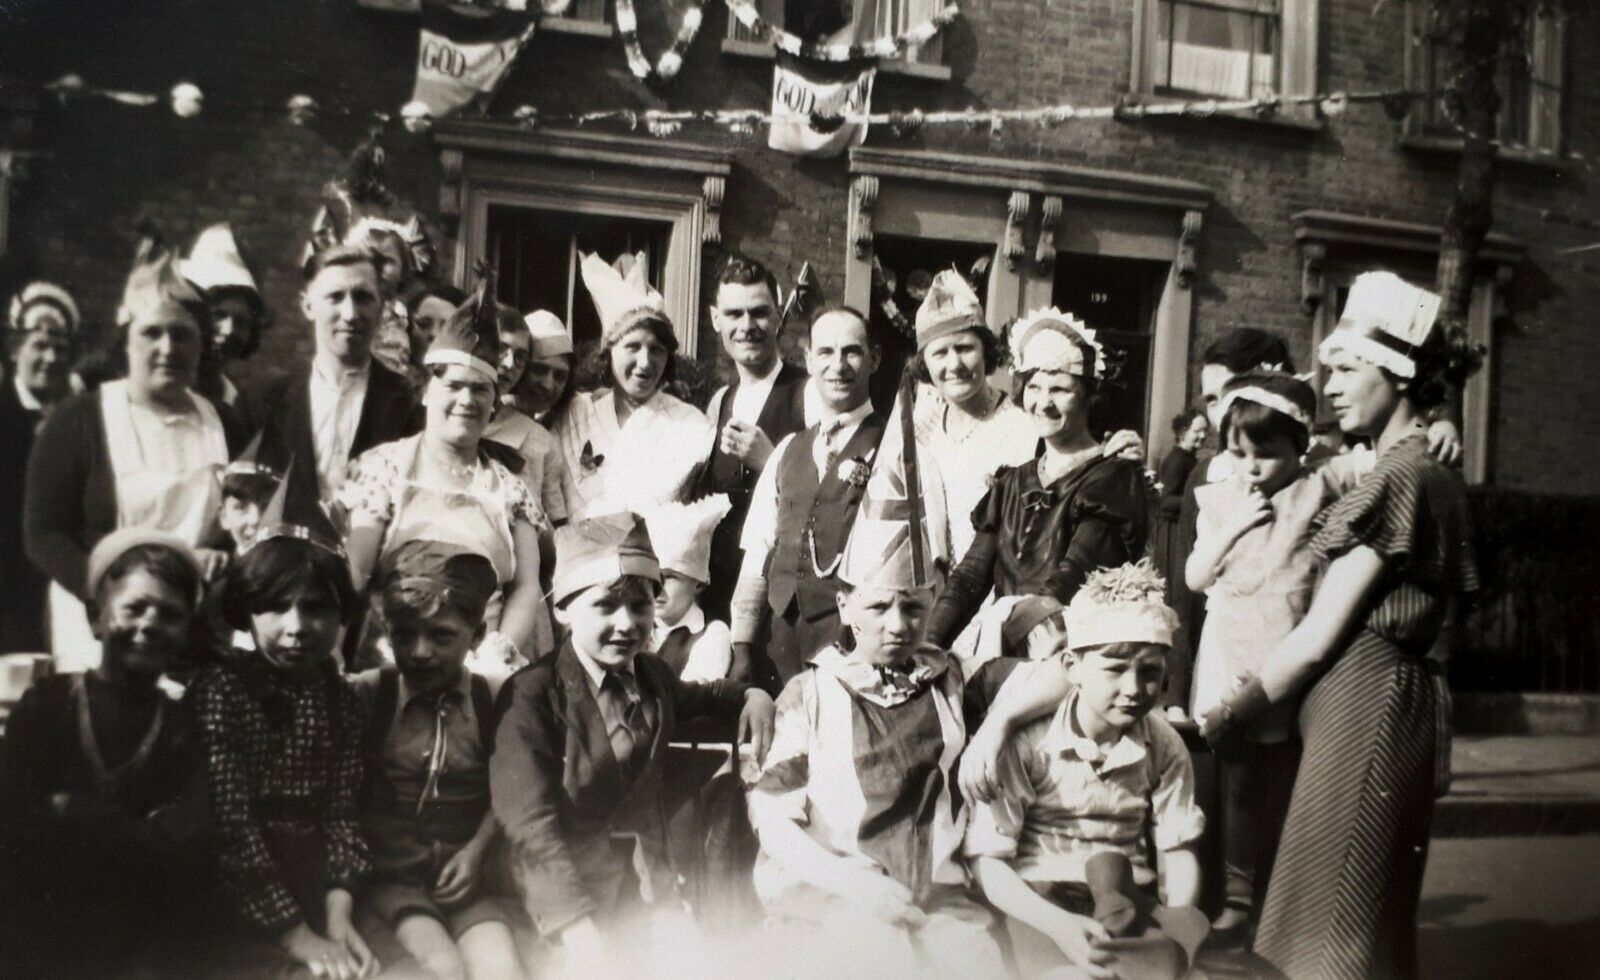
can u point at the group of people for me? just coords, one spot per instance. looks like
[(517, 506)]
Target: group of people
[(380, 669)]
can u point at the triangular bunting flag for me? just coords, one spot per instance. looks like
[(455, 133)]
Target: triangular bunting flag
[(464, 51), (810, 103)]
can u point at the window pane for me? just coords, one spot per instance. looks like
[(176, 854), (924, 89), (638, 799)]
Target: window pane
[(536, 252), (1209, 50)]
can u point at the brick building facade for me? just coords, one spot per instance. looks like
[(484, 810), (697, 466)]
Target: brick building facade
[(1164, 232)]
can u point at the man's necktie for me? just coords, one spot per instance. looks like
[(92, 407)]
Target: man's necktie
[(633, 733)]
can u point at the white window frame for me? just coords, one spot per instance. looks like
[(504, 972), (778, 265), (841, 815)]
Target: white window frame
[(679, 184), (1547, 92), (1297, 39), (1031, 212)]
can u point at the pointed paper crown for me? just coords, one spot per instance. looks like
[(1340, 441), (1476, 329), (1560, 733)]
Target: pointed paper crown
[(315, 529), (471, 337), (950, 307), (214, 262), (1126, 604), (600, 550), (622, 293), (249, 462), (1385, 322), (360, 202), (879, 550), (155, 288), (1284, 393), (681, 534), (41, 293), (1050, 340), (550, 336)]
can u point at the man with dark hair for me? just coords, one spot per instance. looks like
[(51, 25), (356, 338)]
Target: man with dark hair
[(802, 509), (765, 403), (343, 404)]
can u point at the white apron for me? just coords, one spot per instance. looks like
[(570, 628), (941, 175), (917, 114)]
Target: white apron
[(184, 504)]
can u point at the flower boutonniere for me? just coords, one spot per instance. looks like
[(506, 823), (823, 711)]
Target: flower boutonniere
[(589, 459), (855, 471)]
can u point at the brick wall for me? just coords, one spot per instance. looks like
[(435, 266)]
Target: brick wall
[(73, 217)]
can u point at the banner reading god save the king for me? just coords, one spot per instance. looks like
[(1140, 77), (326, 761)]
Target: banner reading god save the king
[(810, 100), (464, 50)]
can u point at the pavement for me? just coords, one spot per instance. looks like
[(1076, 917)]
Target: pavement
[(1521, 785)]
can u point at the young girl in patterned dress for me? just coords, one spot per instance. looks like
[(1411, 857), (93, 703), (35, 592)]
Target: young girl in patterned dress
[(1342, 902)]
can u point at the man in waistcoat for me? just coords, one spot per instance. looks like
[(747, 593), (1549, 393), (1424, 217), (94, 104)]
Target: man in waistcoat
[(764, 404), (803, 507)]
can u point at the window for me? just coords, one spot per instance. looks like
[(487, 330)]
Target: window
[(536, 254), (1222, 49), (887, 19), (1225, 49), (1532, 84)]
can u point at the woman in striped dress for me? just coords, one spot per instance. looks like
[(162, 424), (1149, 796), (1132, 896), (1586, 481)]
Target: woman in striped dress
[(1342, 901)]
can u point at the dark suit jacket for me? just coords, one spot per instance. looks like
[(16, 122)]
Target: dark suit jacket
[(71, 502), (283, 413), (560, 794), (23, 586)]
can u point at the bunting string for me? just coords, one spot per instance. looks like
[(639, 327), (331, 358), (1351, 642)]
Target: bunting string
[(667, 66)]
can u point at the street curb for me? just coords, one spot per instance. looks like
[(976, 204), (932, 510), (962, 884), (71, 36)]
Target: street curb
[(1512, 713), (1514, 817)]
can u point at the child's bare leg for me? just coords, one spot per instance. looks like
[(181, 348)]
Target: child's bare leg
[(425, 937), (490, 952)]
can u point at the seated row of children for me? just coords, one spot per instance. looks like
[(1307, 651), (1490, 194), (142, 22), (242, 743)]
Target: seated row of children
[(287, 819)]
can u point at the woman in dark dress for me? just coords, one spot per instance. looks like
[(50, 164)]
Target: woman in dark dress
[(100, 803), (1342, 902), (1045, 525)]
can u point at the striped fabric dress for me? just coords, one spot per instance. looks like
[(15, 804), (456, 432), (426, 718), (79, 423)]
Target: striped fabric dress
[(1342, 902)]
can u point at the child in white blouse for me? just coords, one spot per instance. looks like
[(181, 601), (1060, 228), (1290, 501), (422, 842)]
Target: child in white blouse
[(1102, 774)]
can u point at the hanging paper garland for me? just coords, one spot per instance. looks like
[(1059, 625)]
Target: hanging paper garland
[(669, 63), (883, 47)]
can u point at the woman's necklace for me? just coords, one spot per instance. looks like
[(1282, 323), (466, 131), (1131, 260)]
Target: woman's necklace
[(457, 471), (960, 424)]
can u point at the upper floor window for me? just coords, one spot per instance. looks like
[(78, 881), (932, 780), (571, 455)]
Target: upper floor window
[(886, 18), (1225, 49), (1531, 81)]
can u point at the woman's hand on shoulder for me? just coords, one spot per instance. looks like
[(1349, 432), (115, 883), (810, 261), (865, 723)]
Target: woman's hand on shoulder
[(756, 722), (1124, 444), (1444, 442)]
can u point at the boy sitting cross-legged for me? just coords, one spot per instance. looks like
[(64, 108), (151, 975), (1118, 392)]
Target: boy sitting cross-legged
[(430, 730), (1062, 851)]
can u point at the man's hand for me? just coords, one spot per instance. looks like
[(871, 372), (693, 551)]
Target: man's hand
[(746, 443), (755, 722)]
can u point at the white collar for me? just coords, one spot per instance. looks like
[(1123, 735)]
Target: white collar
[(1063, 739), (343, 377), (849, 420), (694, 621), (767, 380), (597, 674)]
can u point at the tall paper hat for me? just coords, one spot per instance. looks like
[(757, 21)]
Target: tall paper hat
[(471, 337), (950, 307), (880, 550), (1050, 340), (1126, 604), (622, 293), (249, 462), (1385, 322), (550, 337), (41, 293), (155, 289), (681, 534), (214, 262), (600, 550), (314, 528), (420, 569)]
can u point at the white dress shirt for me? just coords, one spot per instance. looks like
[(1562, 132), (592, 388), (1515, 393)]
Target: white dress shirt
[(760, 531), (335, 413)]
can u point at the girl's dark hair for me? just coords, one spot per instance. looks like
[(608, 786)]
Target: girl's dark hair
[(598, 367), (1184, 419), (1444, 363), (559, 409), (257, 307), (160, 562), (991, 355), (275, 570), (1247, 349), (421, 290), (1260, 422)]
